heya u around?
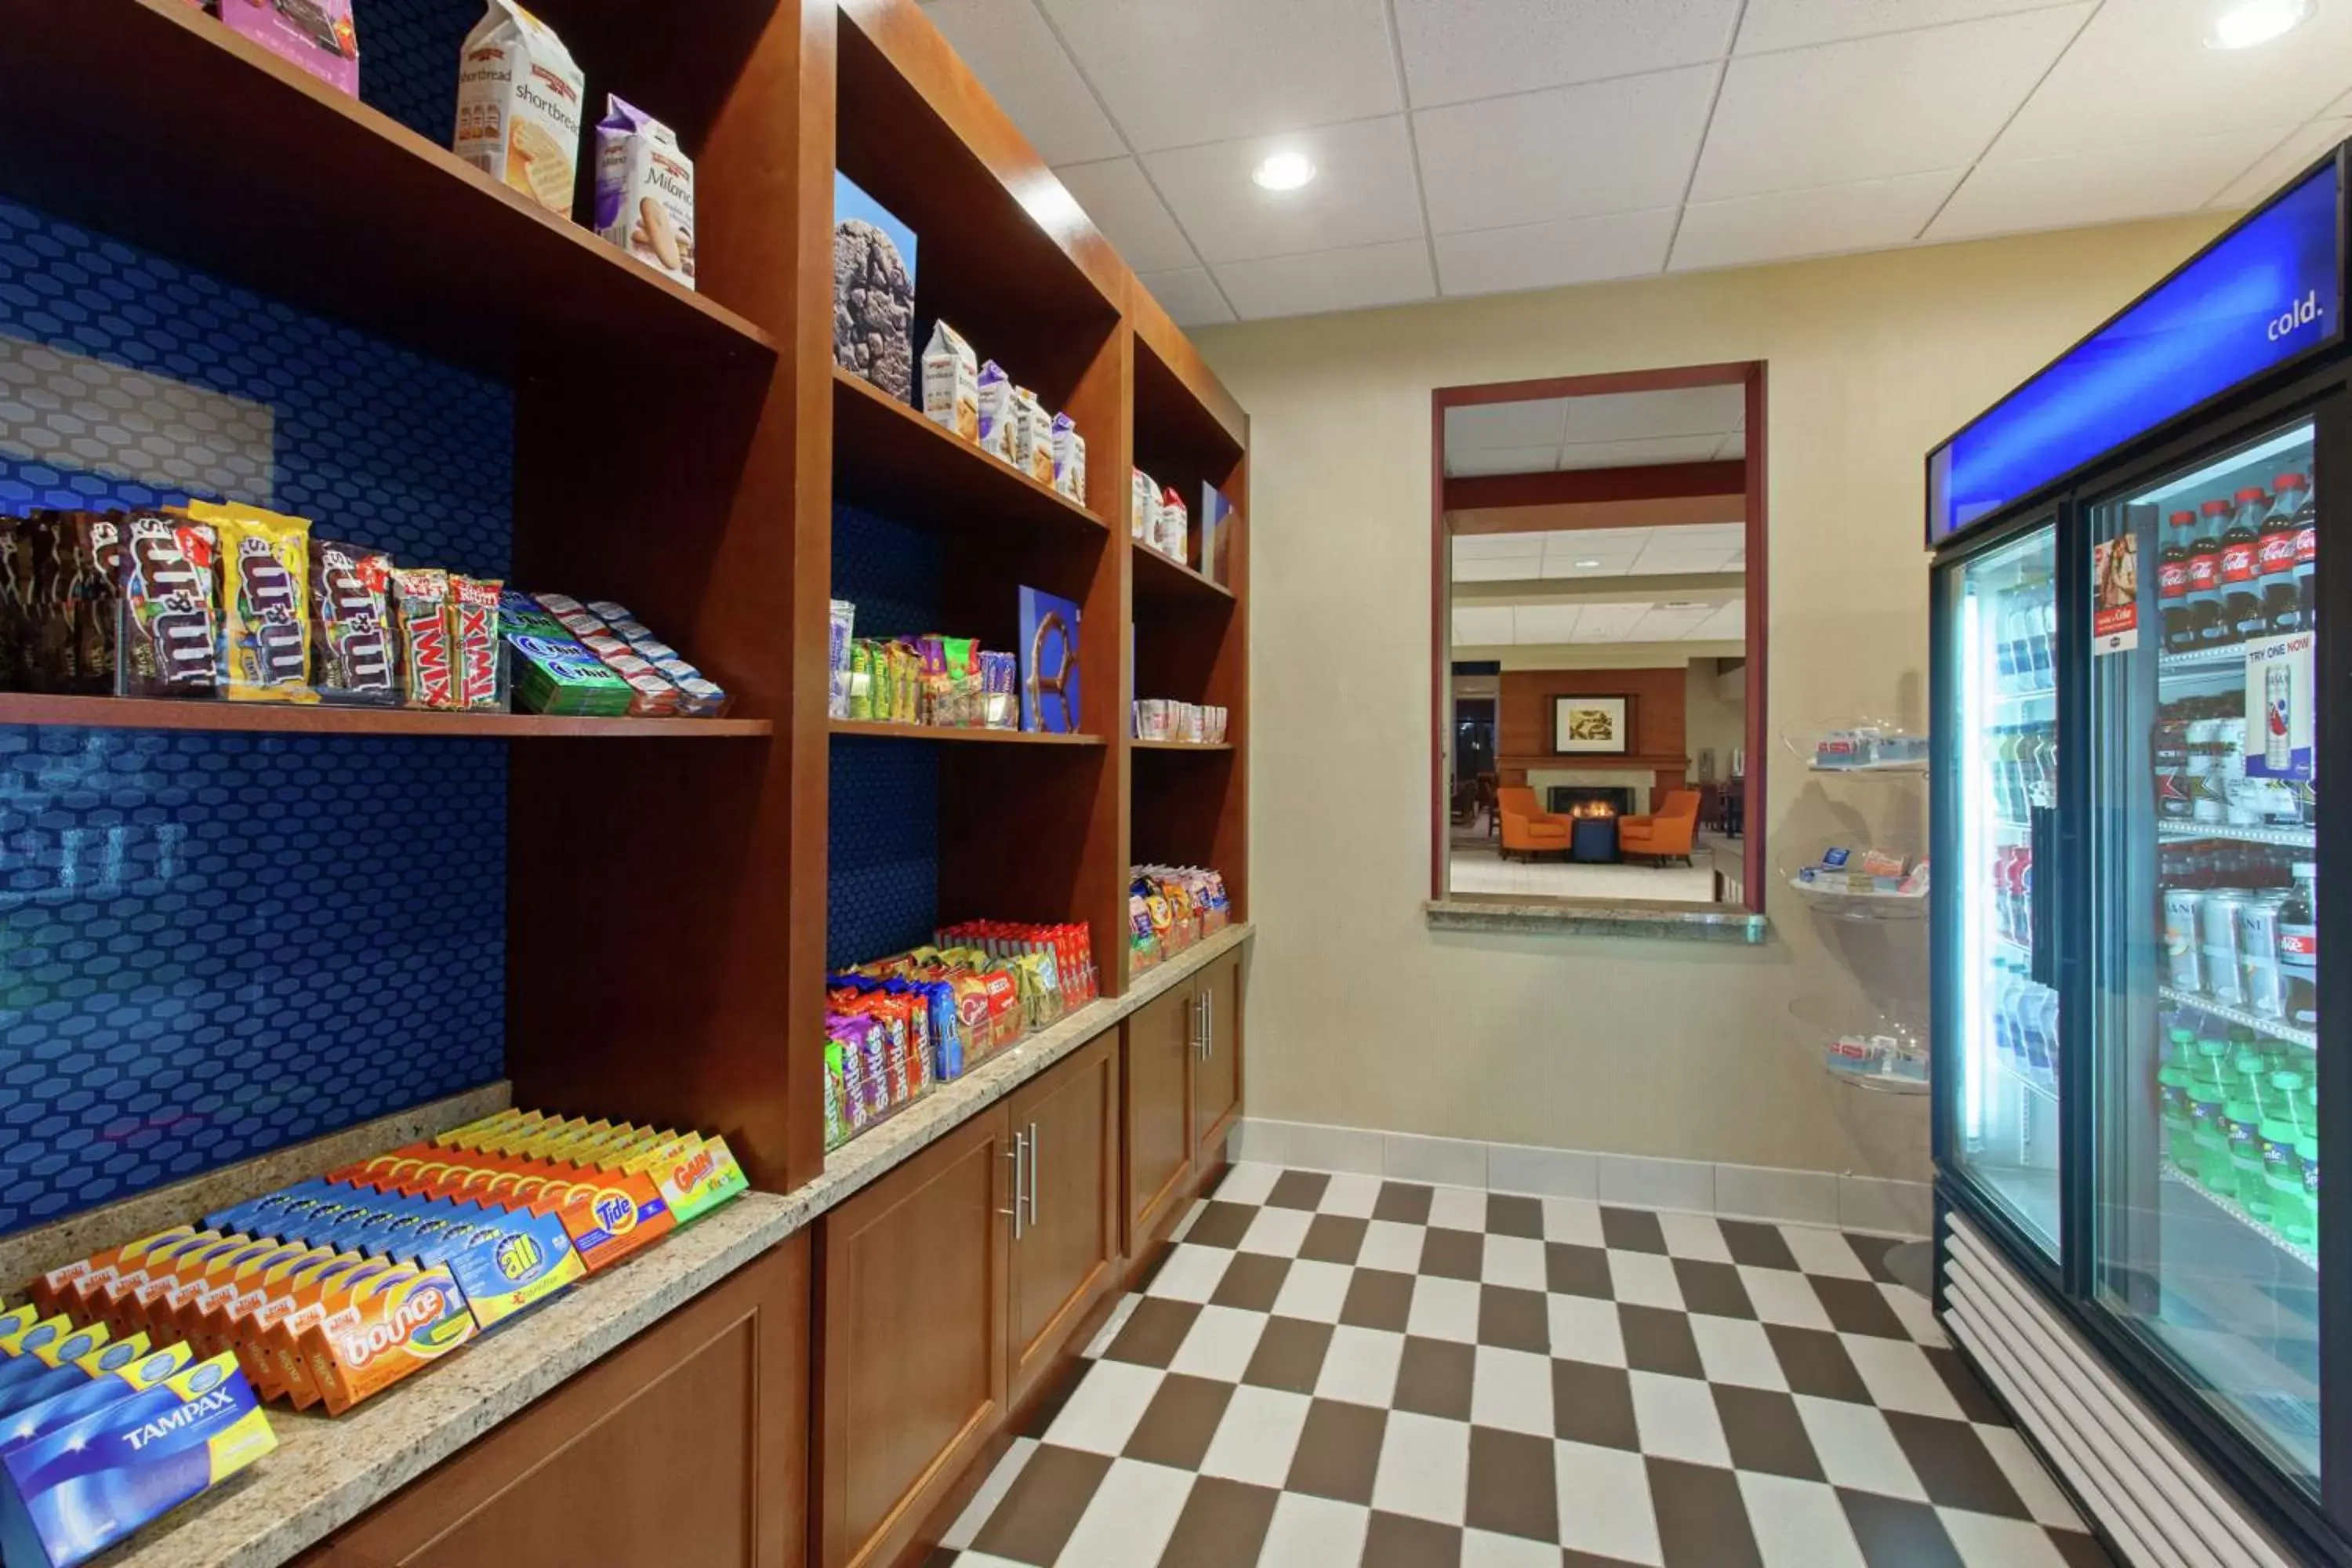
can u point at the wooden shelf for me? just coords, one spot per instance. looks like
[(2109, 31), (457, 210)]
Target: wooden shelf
[(147, 120), (888, 456), (938, 732), (283, 718), (1162, 579), (1182, 745)]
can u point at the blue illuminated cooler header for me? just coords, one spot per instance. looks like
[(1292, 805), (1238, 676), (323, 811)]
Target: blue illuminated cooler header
[(2268, 291)]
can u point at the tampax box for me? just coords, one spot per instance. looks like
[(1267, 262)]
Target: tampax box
[(123, 1367), (86, 1485)]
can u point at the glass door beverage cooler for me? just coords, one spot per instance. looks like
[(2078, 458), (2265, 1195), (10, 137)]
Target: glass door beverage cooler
[(2142, 673)]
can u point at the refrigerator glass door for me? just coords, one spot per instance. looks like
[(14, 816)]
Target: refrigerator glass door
[(2204, 840), (2002, 709)]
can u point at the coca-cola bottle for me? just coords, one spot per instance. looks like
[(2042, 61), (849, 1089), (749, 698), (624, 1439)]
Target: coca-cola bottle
[(2241, 594), (2281, 594), (2307, 552), (2172, 580), (2205, 616)]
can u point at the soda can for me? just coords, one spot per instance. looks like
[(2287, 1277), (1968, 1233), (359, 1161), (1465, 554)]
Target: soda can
[(2217, 925), (2278, 719), (2183, 969), (2258, 953)]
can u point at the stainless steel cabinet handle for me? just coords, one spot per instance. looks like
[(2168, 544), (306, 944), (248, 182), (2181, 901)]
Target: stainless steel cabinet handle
[(1200, 1041), (1036, 1150), (1208, 1023), (1018, 1154)]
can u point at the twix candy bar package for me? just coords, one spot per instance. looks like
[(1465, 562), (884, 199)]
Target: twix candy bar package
[(474, 642), (428, 677), (170, 642), (352, 623), (265, 572)]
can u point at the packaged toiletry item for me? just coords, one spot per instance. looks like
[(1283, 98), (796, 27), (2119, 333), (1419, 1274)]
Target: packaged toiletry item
[(644, 190), (519, 109)]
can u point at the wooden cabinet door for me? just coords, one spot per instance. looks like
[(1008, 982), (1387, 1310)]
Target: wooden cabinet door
[(1155, 1130), (1217, 1078), (1066, 1242), (685, 1447), (911, 1339)]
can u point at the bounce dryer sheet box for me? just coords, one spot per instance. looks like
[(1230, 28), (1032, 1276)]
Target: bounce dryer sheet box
[(84, 1485)]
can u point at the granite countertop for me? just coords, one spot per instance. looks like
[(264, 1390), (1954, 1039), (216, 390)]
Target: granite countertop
[(1675, 922), (328, 1471)]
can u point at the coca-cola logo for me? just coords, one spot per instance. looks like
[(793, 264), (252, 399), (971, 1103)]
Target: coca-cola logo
[(2172, 579), (2237, 562)]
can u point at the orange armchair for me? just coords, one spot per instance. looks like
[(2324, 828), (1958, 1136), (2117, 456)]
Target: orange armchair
[(1525, 827), (1665, 833)]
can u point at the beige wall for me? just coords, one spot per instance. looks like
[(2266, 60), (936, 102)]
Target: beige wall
[(1359, 1014), (1710, 720)]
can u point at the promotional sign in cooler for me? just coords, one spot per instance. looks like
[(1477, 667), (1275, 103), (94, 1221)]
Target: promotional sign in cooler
[(2141, 582)]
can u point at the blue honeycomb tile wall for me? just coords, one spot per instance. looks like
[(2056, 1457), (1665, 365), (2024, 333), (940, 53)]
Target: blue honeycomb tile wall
[(213, 946), (408, 61)]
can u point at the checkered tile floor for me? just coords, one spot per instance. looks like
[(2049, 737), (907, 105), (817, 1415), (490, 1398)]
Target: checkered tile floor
[(1334, 1370)]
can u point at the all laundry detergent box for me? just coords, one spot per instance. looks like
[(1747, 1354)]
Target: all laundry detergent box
[(82, 1486)]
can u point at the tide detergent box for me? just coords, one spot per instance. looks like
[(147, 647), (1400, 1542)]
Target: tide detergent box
[(82, 1486)]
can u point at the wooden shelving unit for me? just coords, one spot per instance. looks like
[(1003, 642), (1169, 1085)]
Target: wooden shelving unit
[(937, 732), (1182, 745)]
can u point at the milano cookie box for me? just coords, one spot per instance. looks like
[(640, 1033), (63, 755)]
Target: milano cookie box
[(644, 190)]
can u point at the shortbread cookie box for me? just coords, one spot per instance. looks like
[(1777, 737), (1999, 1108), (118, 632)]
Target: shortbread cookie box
[(519, 108), (644, 190)]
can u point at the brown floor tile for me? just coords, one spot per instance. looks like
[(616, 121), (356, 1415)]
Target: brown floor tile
[(1873, 1251), (1333, 1238), (1377, 1299), (1434, 1377), (1513, 1320), (1765, 1433), (1394, 1541), (1507, 1215), (1453, 1254), (1594, 1405), (1856, 1306), (1290, 1354), (1975, 1400), (1221, 1224), (1043, 1506), (1154, 1333), (2079, 1550), (1659, 1340), (1955, 1466), (1573, 1271), (1702, 1518), (1048, 1404), (1632, 1230), (1894, 1533), (1816, 1363), (1223, 1523), (1180, 1421), (1758, 1245), (1404, 1202), (1571, 1558), (1339, 1452), (1298, 1190), (1713, 1289), (1252, 1280), (1513, 1490)]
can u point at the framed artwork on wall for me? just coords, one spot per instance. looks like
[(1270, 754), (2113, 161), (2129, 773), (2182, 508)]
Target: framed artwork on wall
[(1592, 726)]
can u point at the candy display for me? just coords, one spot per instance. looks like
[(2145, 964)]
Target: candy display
[(1168, 909), (553, 673), (170, 611), (427, 677), (949, 682), (265, 575), (1158, 720), (352, 623), (660, 681)]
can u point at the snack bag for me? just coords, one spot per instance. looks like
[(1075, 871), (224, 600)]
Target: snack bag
[(316, 35), (474, 641), (861, 680), (843, 618), (350, 623), (428, 677), (644, 190), (519, 107), (265, 573), (995, 412), (952, 383), (1069, 460)]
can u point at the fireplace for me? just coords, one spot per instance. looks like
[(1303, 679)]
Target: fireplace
[(1589, 800)]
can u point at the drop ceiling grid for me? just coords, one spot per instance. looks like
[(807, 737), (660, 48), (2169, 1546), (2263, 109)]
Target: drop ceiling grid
[(1693, 424), (1479, 146)]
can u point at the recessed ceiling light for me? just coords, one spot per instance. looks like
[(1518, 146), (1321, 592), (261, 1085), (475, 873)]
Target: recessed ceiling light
[(1586, 565), (1283, 170), (2253, 22)]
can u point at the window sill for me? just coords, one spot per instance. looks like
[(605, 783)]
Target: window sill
[(1710, 923)]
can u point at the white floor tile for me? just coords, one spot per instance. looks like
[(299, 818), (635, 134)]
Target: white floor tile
[(1576, 1220), (1735, 1350), (1444, 1310), (1106, 1336), (1781, 1296), (1313, 1290), (1916, 1312), (1277, 1232), (1511, 1391), (1482, 1549), (1900, 1377), (1313, 1533), (1987, 1541), (1645, 1280), (1258, 1435), (1604, 1502), (1134, 1512), (991, 1492), (1819, 1251), (1102, 1411), (1458, 1208), (2035, 1487), (1857, 1448), (982, 1559), (1351, 1196), (1585, 1330), (1424, 1467), (1798, 1524), (1190, 1273), (1390, 1246), (1220, 1344), (1248, 1182), (1677, 1419), (1191, 1213), (1696, 1237), (1514, 1260), (1360, 1366)]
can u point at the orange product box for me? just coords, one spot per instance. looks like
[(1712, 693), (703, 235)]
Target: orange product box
[(226, 1320), (379, 1330), (67, 1287)]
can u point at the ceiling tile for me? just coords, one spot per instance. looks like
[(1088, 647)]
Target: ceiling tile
[(1637, 454), (1553, 255), (1732, 446), (2104, 187), (1901, 103), (1544, 623), (1705, 535), (1362, 193), (1493, 569), (1175, 75), (1452, 51), (1016, 56), (1355, 279), (2141, 74), (1537, 422), (2289, 158), (1130, 213), (1566, 567), (1498, 546), (1190, 297), (1626, 542), (1635, 415), (1485, 624), (1862, 216), (1793, 23), (1477, 461), (1617, 146)]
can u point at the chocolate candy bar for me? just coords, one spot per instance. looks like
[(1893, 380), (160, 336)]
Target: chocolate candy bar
[(429, 678), (352, 623), (171, 616), (265, 602), (474, 634)]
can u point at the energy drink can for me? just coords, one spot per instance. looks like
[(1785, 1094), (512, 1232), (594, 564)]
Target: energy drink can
[(2184, 968), (2217, 925), (2258, 953)]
